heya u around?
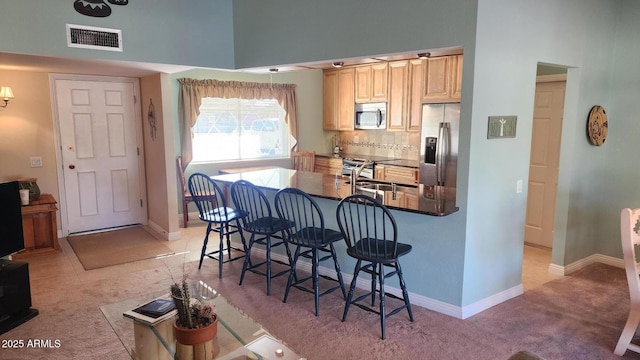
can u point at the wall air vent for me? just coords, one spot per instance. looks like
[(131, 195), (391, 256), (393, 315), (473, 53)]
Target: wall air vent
[(89, 37)]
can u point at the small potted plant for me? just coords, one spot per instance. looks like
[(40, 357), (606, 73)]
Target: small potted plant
[(197, 321)]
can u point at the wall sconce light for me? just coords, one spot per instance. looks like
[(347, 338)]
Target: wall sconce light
[(424, 55), (6, 94), (337, 64)]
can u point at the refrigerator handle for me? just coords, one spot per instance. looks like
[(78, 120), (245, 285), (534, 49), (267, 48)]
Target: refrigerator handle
[(442, 152)]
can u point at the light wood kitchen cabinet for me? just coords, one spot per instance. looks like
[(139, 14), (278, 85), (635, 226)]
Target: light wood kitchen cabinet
[(378, 172), (404, 110), (456, 78), (411, 201), (328, 165), (396, 174), (397, 107), (330, 100), (338, 102), (443, 79), (416, 80), (371, 83)]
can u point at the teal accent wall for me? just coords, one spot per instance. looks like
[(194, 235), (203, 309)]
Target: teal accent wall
[(196, 32), (619, 172), (512, 38), (288, 32)]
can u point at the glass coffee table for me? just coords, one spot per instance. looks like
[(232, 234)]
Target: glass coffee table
[(239, 336)]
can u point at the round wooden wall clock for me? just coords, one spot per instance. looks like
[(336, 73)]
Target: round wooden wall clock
[(597, 125)]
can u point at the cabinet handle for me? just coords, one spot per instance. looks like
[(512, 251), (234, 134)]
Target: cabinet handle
[(72, 166)]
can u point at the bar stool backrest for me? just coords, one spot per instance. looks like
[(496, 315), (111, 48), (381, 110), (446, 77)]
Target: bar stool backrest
[(368, 227), (208, 196), (248, 199), (297, 207)]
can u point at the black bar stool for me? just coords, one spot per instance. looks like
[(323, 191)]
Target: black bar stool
[(213, 209), (371, 234), (312, 240), (262, 226)]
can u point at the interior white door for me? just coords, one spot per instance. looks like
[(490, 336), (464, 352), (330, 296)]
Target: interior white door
[(544, 163), (99, 151)]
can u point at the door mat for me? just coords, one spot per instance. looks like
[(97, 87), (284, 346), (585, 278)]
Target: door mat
[(117, 247)]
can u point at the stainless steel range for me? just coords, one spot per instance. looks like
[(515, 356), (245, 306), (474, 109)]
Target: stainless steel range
[(349, 164)]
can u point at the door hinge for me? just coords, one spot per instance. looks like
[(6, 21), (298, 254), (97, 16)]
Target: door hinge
[(138, 151), (141, 203), (135, 99)]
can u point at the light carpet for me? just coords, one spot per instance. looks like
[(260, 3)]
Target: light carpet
[(117, 247)]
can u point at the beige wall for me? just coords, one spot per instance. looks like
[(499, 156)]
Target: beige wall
[(159, 167), (26, 129)]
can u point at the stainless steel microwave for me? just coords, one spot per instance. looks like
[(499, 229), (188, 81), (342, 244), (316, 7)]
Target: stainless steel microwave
[(371, 116)]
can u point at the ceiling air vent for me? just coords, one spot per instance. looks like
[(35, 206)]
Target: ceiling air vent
[(89, 37)]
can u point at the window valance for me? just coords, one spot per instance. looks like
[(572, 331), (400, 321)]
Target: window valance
[(193, 90)]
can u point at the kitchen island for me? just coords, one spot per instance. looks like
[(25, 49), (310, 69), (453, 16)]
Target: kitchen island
[(432, 267), (422, 199)]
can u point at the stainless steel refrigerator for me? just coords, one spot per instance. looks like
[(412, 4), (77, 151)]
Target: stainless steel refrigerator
[(439, 148)]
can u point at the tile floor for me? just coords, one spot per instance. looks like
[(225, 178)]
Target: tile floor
[(535, 267)]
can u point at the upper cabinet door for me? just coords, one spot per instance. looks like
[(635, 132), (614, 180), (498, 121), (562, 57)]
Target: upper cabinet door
[(379, 89), (363, 84), (437, 80), (346, 103), (397, 107), (456, 77), (371, 83), (416, 81), (330, 100), (443, 79)]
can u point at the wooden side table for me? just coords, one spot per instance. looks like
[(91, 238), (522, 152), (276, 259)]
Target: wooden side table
[(39, 225)]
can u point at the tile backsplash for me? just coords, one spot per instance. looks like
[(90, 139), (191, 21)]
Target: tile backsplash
[(395, 144)]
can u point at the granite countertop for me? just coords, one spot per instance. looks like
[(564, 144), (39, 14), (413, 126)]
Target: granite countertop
[(429, 200), (376, 159)]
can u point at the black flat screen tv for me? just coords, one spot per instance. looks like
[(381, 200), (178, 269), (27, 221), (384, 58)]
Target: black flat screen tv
[(11, 235)]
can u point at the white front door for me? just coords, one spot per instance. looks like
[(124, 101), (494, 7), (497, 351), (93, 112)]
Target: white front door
[(100, 153), (544, 163)]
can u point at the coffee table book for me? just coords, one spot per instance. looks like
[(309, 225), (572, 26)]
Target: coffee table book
[(149, 318)]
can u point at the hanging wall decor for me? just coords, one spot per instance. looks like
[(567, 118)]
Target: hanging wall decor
[(151, 117), (96, 8), (597, 125), (502, 127)]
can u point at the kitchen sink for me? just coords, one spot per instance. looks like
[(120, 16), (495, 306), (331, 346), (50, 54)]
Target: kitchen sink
[(381, 190), (383, 187)]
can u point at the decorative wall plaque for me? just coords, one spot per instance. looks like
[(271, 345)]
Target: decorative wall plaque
[(502, 127)]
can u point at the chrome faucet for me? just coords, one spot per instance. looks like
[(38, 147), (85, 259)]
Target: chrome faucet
[(355, 174)]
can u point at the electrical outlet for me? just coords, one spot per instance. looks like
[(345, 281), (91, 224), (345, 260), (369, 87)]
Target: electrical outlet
[(35, 161), (519, 186)]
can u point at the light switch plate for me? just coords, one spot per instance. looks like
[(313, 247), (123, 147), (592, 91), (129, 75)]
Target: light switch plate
[(35, 161)]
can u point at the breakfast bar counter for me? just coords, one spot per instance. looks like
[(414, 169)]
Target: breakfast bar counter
[(429, 200)]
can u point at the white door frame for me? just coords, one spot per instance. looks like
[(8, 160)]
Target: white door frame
[(62, 203)]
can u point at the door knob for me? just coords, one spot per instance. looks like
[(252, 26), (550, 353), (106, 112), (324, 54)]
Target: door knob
[(72, 166)]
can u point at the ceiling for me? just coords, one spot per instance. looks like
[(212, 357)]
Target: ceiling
[(48, 64)]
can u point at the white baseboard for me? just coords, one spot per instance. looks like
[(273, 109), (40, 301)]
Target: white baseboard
[(164, 233), (582, 263)]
